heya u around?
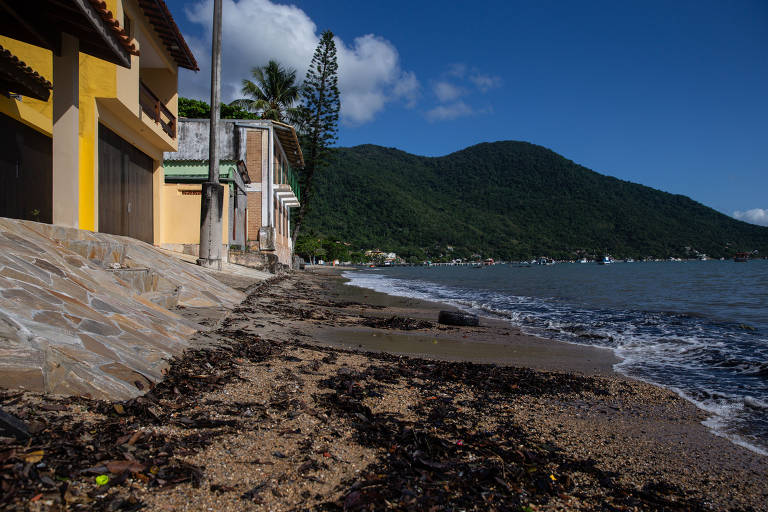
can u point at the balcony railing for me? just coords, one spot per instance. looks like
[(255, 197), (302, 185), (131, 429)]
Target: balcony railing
[(156, 110), (287, 176)]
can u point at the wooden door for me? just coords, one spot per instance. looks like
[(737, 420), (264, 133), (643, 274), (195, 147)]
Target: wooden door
[(26, 172), (125, 188)]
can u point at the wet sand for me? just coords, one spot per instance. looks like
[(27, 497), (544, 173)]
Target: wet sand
[(493, 342), (286, 411)]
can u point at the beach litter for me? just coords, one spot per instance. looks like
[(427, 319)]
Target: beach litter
[(458, 318)]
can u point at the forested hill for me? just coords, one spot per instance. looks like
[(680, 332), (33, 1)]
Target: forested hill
[(510, 200)]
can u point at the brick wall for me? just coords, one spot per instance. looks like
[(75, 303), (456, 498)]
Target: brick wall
[(254, 215), (253, 155), (253, 161)]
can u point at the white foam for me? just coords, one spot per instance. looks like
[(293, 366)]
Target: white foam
[(657, 348)]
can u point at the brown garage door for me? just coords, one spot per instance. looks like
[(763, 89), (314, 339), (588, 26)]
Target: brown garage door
[(125, 188), (26, 172)]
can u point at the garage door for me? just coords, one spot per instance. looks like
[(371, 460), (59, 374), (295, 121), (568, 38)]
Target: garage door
[(26, 172), (125, 188)]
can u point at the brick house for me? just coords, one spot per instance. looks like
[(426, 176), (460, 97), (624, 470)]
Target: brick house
[(268, 152)]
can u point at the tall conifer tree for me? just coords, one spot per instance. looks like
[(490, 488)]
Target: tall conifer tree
[(321, 117)]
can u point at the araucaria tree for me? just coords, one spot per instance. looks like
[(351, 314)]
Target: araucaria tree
[(320, 93)]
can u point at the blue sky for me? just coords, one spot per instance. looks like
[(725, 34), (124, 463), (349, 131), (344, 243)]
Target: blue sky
[(673, 95)]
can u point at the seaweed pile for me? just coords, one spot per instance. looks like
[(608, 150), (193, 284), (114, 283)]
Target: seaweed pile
[(471, 455), (81, 451), (398, 322)]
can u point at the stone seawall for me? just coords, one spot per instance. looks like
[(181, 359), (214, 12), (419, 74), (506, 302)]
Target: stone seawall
[(264, 261), (88, 313)]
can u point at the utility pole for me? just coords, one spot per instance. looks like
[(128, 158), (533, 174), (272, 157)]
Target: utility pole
[(212, 198)]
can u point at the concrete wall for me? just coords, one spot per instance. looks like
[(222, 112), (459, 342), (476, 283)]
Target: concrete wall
[(194, 135), (238, 216)]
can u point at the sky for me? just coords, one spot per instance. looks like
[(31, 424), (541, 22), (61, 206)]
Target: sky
[(672, 95)]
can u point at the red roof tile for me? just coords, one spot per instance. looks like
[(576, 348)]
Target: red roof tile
[(114, 25), (25, 75)]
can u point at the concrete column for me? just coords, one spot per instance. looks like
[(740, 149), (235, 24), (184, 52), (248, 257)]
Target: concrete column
[(66, 143), (271, 175), (265, 178)]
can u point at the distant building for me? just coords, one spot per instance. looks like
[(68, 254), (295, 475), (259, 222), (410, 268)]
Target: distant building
[(90, 154), (383, 257)]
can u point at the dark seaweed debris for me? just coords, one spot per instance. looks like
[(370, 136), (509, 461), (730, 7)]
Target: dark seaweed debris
[(60, 463), (443, 461), (398, 322)]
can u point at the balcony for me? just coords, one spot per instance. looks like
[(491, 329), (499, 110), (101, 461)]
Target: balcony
[(287, 187), (156, 110)]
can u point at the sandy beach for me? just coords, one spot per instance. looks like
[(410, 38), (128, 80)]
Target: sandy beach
[(317, 395)]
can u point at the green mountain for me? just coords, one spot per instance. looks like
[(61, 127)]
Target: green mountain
[(510, 200)]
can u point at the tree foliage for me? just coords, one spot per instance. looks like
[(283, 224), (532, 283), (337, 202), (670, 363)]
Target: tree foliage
[(510, 200), (196, 109), (273, 94), (320, 119)]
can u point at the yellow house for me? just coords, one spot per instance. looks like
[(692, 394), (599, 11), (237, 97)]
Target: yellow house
[(89, 154)]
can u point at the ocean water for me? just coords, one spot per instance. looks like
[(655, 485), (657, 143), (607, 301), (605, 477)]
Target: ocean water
[(698, 328)]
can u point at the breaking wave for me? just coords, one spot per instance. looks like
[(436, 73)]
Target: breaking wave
[(720, 366)]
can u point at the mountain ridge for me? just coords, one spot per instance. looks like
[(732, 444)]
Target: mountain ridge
[(510, 199)]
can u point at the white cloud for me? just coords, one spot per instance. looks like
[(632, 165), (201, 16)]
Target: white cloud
[(757, 216), (485, 82), (457, 69), (449, 112), (456, 81), (255, 31), (408, 88), (446, 91)]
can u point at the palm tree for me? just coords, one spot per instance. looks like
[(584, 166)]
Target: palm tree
[(273, 94)]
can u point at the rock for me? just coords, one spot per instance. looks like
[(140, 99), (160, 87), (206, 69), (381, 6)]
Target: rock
[(13, 426), (458, 318)]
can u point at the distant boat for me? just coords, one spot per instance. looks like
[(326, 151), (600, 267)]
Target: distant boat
[(741, 257), (546, 261), (629, 260), (607, 260), (583, 260)]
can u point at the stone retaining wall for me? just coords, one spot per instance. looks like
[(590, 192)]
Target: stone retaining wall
[(87, 313)]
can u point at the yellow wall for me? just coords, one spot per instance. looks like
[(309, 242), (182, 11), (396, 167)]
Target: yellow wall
[(180, 218), (34, 113), (97, 79), (108, 94)]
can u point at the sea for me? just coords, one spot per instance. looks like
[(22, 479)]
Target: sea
[(699, 328)]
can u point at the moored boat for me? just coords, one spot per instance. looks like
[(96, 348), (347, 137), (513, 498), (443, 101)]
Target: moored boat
[(741, 257)]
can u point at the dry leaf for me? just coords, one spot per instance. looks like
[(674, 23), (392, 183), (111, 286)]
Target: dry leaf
[(33, 457), (121, 466)]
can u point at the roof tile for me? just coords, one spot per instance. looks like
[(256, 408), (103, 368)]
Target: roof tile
[(22, 67), (114, 25)]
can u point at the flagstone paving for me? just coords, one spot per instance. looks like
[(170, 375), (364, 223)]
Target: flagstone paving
[(93, 313)]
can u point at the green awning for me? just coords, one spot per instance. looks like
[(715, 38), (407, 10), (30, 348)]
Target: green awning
[(197, 170)]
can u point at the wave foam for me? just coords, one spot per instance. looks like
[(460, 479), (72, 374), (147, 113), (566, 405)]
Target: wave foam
[(700, 360)]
